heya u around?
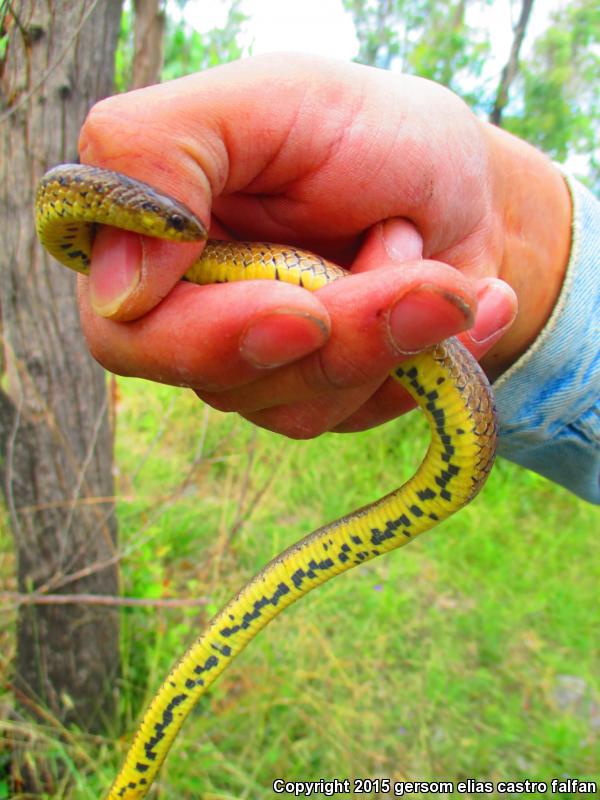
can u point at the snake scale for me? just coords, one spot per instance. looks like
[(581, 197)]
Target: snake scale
[(446, 382)]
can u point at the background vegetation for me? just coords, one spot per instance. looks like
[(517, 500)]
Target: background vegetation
[(471, 654)]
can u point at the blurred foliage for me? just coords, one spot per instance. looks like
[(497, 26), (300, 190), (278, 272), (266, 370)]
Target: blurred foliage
[(124, 54), (555, 97), (430, 38), (474, 651), (3, 35), (557, 103), (186, 50), (553, 101)]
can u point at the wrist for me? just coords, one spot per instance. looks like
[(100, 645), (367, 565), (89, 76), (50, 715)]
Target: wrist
[(533, 206)]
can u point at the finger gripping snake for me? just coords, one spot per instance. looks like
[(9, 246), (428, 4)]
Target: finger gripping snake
[(446, 382)]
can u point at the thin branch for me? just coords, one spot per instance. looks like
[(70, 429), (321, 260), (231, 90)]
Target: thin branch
[(28, 95), (512, 65), (244, 488), (60, 580), (81, 501), (80, 481), (43, 713), (155, 440), (15, 599), (243, 515)]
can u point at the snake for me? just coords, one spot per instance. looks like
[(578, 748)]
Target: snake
[(446, 382)]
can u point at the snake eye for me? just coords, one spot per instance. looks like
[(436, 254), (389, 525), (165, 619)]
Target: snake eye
[(176, 221)]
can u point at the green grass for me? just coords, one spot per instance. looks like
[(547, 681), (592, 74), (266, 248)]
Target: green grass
[(442, 661)]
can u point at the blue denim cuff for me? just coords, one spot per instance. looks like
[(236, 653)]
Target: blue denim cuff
[(548, 401)]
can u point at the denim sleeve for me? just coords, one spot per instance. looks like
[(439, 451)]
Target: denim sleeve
[(549, 400)]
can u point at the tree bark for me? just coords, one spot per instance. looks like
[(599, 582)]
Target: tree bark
[(149, 26), (55, 438), (512, 65)]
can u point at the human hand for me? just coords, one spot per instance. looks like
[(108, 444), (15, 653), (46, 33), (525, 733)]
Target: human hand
[(372, 170)]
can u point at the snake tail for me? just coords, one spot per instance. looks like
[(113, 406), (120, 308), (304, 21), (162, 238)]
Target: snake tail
[(446, 382)]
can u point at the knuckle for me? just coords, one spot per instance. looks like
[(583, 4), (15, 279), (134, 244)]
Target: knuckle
[(101, 346), (347, 371), (303, 431), (319, 376), (103, 355), (314, 374), (218, 401), (98, 129), (357, 372), (354, 424), (293, 422)]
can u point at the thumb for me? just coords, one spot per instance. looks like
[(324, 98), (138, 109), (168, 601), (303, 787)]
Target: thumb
[(130, 273), (394, 239)]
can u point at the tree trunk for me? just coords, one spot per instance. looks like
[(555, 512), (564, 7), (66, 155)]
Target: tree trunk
[(512, 65), (55, 438), (148, 32)]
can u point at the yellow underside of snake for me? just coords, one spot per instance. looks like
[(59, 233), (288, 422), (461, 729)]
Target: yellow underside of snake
[(445, 381)]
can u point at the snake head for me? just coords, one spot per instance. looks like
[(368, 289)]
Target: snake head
[(73, 199)]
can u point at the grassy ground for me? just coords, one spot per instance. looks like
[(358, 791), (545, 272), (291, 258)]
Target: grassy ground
[(473, 653)]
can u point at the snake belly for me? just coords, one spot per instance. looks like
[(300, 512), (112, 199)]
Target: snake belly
[(446, 382)]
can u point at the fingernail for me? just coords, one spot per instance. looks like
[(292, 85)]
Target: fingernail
[(495, 312), (402, 241), (426, 316), (116, 270), (281, 337)]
